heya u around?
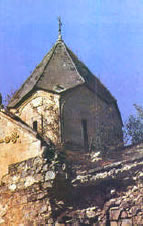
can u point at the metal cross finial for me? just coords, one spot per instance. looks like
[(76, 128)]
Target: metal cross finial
[(60, 25)]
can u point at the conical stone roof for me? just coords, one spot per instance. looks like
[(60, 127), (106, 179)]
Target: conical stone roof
[(59, 71)]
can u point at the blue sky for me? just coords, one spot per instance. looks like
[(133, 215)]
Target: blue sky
[(107, 35)]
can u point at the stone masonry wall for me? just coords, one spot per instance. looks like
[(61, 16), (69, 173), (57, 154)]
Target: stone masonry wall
[(59, 191), (42, 107), (103, 122), (28, 191), (17, 142)]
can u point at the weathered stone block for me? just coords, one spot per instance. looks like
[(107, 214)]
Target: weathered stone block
[(43, 209), (113, 223), (124, 214), (50, 175), (29, 181), (12, 187), (47, 185), (114, 213), (127, 222)]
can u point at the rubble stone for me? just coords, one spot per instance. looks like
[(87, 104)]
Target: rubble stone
[(49, 197)]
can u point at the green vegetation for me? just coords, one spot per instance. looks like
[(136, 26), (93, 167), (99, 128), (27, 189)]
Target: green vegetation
[(133, 128)]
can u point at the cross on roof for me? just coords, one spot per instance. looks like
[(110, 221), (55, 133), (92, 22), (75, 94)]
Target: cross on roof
[(60, 25)]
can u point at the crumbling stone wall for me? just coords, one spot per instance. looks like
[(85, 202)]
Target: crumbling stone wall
[(28, 192), (23, 195), (103, 121), (44, 191), (115, 194), (42, 107)]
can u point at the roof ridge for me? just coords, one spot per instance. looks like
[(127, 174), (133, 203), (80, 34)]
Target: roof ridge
[(52, 52), (67, 50)]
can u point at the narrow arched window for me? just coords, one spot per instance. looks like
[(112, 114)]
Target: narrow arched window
[(35, 124), (85, 134)]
